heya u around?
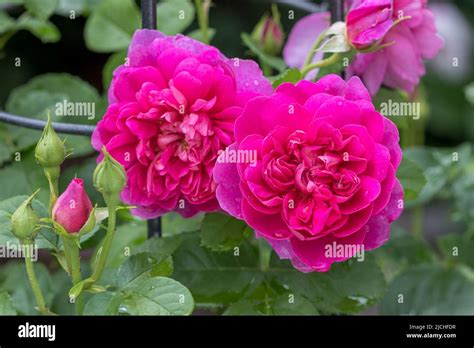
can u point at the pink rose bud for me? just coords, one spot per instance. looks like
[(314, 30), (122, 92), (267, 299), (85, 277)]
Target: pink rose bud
[(73, 207), (368, 21), (268, 33)]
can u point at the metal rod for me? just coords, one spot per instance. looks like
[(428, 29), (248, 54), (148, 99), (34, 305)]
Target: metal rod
[(148, 8), (304, 5), (32, 123), (336, 7)]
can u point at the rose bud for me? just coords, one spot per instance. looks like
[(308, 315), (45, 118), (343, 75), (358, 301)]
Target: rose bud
[(24, 221), (73, 207), (109, 178), (268, 33), (50, 151)]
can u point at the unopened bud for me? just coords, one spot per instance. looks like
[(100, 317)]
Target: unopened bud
[(268, 33), (50, 151), (109, 177), (24, 221)]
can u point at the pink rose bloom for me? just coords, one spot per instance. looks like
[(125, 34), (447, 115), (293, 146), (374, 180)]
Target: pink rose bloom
[(73, 207), (401, 64), (171, 109), (368, 21), (324, 171)]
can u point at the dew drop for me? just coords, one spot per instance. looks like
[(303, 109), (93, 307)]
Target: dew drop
[(123, 310)]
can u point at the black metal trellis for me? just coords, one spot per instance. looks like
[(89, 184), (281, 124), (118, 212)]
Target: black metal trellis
[(148, 8), (148, 11)]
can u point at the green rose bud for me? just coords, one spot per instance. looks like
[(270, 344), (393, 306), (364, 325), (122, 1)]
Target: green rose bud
[(268, 33), (24, 221), (109, 178), (50, 151)]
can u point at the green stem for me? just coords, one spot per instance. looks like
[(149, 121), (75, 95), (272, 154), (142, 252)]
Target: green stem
[(413, 135), (267, 70), (40, 302), (100, 265), (52, 174), (203, 19), (67, 254), (264, 254), (320, 64), (312, 52), (75, 260)]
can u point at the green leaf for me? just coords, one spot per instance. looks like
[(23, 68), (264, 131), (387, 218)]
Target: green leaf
[(14, 280), (348, 287), (46, 238), (158, 296), (430, 289), (7, 23), (289, 75), (159, 246), (76, 289), (401, 251), (43, 29), (411, 177), (143, 266), (112, 63), (215, 277), (458, 248), (23, 176), (42, 9), (285, 304), (174, 223), (111, 26), (225, 278), (49, 92), (82, 7), (105, 303), (463, 190), (173, 16), (274, 62), (223, 232), (6, 305)]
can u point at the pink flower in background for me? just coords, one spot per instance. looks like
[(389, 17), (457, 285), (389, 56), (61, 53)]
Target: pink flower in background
[(400, 65), (171, 109), (301, 39), (368, 21), (73, 207), (324, 172)]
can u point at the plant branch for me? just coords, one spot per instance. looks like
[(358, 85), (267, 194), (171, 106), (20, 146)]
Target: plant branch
[(320, 64), (40, 302)]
